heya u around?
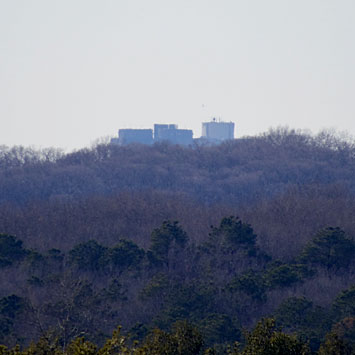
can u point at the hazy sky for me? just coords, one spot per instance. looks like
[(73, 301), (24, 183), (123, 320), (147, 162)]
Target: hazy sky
[(72, 71)]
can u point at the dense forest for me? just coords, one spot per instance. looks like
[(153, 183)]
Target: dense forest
[(247, 247)]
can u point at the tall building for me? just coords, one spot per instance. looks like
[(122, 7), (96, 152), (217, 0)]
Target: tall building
[(141, 136), (217, 131), (160, 128), (170, 133)]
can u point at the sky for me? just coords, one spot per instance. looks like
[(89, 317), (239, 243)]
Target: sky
[(74, 71)]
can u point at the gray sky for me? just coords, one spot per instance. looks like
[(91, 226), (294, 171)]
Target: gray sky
[(72, 71)]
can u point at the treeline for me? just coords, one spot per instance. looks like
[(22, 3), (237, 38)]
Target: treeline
[(237, 171), (221, 286), (184, 339)]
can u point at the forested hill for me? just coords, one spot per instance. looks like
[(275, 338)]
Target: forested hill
[(201, 242), (237, 171)]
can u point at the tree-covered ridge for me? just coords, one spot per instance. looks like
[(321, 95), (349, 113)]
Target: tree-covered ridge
[(91, 240), (240, 170), (221, 287)]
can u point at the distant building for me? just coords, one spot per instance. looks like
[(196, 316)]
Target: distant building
[(128, 136), (170, 133), (213, 132), (159, 128), (217, 131)]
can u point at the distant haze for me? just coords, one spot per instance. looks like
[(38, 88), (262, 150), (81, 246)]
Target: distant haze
[(74, 71)]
